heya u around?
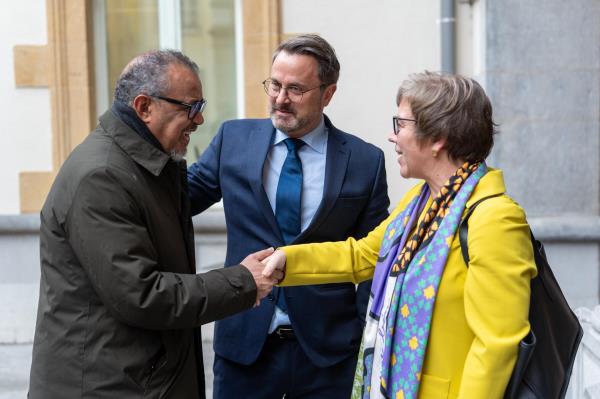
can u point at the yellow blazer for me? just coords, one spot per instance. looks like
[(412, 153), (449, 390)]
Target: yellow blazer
[(481, 312)]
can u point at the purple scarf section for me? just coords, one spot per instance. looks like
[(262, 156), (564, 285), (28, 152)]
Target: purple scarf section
[(403, 311), (382, 270)]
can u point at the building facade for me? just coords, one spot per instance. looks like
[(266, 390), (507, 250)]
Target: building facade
[(539, 63)]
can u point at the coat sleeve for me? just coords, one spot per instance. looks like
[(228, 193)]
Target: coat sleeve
[(204, 186), (108, 235), (496, 295)]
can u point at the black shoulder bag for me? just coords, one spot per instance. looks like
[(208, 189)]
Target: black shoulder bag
[(546, 355)]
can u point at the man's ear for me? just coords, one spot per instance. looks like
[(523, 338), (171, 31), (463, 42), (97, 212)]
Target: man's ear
[(143, 105), (328, 93)]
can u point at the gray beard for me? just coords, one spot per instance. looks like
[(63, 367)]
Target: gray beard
[(178, 156), (299, 124)]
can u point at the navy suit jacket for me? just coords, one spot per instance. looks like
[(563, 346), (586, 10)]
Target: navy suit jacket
[(327, 319)]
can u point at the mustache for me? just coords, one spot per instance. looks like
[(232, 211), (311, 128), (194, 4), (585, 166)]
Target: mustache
[(283, 108)]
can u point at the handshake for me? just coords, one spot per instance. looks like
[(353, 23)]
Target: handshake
[(267, 268)]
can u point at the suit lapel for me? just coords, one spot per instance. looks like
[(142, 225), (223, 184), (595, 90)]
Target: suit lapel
[(335, 171), (259, 143)]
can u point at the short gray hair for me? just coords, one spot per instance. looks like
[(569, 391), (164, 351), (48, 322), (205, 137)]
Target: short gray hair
[(318, 48), (453, 107), (147, 74)]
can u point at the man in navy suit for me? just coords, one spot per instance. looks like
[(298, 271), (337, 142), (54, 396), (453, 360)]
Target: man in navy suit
[(293, 178)]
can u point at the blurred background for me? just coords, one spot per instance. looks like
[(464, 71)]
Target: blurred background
[(538, 61)]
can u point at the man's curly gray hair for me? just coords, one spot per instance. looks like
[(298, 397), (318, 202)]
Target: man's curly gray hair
[(147, 74)]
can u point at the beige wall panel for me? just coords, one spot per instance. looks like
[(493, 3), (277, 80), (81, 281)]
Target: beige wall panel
[(82, 107), (72, 75), (262, 32), (31, 66), (33, 190), (71, 80)]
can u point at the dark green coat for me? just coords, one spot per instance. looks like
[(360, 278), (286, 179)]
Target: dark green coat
[(119, 298)]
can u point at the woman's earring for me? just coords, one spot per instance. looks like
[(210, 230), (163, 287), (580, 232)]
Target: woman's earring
[(434, 153)]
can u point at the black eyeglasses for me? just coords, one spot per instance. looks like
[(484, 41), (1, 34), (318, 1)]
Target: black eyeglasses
[(397, 121), (194, 108), (294, 93)]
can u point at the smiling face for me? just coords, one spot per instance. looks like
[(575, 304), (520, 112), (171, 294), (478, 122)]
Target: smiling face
[(414, 157), (297, 118), (169, 122)]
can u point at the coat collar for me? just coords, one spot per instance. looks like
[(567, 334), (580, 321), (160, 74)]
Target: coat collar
[(492, 183), (142, 152)]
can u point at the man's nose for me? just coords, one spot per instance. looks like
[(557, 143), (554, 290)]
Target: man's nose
[(282, 96), (198, 119)]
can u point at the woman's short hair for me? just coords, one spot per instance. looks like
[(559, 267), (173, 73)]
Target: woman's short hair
[(453, 107)]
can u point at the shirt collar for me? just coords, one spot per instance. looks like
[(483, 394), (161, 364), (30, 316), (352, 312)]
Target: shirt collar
[(315, 139)]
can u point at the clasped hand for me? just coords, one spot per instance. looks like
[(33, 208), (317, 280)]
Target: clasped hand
[(267, 268)]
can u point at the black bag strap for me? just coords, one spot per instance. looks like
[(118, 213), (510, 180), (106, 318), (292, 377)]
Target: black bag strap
[(463, 228)]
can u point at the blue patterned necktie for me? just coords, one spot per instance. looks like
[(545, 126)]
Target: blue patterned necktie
[(288, 200)]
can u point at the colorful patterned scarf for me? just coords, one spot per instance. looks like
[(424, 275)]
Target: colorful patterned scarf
[(406, 281)]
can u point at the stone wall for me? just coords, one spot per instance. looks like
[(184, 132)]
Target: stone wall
[(542, 72)]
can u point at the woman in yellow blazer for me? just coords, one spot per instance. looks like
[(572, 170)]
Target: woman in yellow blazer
[(435, 327)]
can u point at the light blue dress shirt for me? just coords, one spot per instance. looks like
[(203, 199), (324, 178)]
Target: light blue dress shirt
[(313, 156)]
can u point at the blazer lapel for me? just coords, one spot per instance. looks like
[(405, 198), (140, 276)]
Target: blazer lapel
[(335, 171), (259, 143)]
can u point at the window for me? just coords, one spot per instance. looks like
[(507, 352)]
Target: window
[(208, 37), (205, 30)]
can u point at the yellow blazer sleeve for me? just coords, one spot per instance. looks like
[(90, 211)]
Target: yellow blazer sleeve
[(496, 295), (336, 262)]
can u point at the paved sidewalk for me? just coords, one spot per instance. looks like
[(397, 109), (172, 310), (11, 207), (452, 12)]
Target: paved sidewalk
[(14, 370), (16, 362)]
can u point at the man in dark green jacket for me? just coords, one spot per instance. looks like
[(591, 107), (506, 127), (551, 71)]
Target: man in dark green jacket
[(120, 302)]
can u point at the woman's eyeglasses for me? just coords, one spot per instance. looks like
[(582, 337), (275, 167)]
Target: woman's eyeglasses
[(398, 123)]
